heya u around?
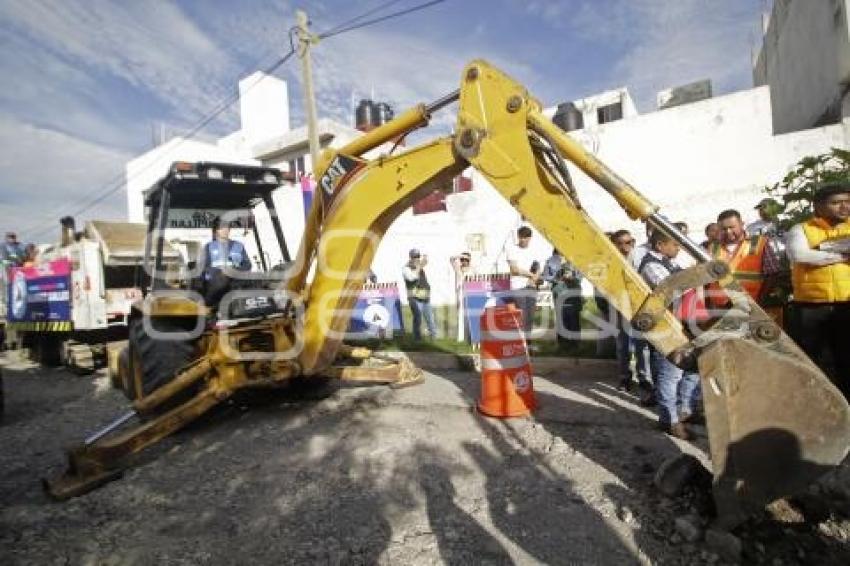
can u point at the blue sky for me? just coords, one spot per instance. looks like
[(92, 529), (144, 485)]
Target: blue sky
[(86, 81)]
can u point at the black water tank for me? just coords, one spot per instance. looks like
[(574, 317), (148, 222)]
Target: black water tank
[(363, 115), (381, 113), (568, 117)]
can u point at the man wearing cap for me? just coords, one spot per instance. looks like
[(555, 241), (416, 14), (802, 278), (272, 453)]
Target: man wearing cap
[(419, 293), (819, 250), (766, 224), (12, 252)]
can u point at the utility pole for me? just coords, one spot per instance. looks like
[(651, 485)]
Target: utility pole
[(305, 41)]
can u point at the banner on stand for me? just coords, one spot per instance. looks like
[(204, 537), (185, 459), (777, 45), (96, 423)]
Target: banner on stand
[(480, 292), (39, 294), (377, 313)]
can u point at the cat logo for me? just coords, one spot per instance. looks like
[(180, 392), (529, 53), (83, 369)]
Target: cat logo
[(337, 174)]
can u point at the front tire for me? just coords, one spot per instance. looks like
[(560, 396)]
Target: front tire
[(153, 362)]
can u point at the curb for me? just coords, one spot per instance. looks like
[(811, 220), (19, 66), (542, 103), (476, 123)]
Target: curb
[(470, 362)]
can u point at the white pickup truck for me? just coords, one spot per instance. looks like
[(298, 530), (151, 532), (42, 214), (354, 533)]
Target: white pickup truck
[(75, 299)]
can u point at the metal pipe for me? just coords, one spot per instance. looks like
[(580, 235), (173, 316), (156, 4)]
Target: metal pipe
[(117, 423), (660, 223), (633, 202), (441, 103)]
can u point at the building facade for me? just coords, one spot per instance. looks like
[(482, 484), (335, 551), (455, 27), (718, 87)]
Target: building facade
[(696, 155), (805, 59)]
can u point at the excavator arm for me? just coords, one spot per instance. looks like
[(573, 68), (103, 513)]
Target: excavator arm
[(775, 422)]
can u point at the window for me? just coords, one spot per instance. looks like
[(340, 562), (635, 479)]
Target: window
[(296, 166), (609, 113)]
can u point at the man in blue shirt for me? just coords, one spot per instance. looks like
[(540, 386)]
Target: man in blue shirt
[(220, 256), (223, 253)]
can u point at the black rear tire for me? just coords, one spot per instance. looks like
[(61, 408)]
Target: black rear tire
[(154, 362)]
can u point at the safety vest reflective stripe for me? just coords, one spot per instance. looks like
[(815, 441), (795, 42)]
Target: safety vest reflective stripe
[(745, 263), (504, 363)]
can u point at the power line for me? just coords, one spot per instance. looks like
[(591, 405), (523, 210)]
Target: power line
[(39, 226), (118, 182), (361, 16), (335, 31)]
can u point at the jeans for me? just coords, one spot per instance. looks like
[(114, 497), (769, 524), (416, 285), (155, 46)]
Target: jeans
[(824, 327), (568, 320), (677, 391), (643, 365), (626, 342), (422, 309)]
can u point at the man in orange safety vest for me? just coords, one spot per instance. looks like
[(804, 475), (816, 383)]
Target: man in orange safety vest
[(753, 259)]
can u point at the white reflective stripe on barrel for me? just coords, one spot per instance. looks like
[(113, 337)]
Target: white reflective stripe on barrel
[(504, 363), (501, 335)]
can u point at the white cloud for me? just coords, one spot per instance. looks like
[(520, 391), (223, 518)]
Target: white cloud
[(44, 174), (151, 45), (664, 43), (689, 40), (399, 68)]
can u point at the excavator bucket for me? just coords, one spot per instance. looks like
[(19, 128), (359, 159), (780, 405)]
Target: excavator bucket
[(775, 423)]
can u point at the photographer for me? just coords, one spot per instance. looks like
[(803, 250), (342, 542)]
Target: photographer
[(419, 294)]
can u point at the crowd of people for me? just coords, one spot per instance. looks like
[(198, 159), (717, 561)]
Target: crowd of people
[(816, 254)]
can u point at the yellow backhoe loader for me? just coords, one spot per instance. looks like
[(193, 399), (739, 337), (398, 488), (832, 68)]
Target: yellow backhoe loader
[(774, 421)]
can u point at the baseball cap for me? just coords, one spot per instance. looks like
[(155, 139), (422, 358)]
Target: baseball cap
[(766, 202), (414, 252)]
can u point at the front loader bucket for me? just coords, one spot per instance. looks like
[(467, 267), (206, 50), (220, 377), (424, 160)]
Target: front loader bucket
[(775, 423)]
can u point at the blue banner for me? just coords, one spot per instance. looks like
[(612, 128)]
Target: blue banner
[(479, 292), (40, 294), (377, 312)]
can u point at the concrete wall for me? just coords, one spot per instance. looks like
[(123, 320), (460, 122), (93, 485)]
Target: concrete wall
[(805, 58)]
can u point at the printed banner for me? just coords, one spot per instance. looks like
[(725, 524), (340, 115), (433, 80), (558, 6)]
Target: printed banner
[(480, 292), (377, 312), (40, 294)]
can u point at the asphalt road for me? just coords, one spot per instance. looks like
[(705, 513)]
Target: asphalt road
[(366, 475)]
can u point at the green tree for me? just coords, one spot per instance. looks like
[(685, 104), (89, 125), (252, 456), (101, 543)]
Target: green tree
[(796, 191)]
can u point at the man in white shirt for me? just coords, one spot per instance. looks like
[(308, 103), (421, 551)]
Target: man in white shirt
[(524, 276)]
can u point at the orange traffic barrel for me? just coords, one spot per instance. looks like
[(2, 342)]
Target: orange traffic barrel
[(507, 389)]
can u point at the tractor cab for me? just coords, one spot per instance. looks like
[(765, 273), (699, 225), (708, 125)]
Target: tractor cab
[(184, 209)]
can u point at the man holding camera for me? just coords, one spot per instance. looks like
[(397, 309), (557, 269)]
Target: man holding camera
[(419, 294)]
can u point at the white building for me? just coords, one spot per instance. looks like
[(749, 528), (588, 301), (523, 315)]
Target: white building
[(805, 58), (694, 159)]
